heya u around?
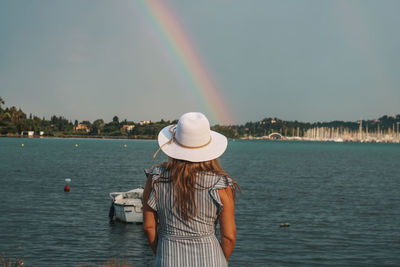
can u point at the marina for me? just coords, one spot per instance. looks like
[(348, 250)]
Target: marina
[(338, 134)]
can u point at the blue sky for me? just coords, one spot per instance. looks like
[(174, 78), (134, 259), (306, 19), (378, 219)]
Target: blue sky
[(306, 60)]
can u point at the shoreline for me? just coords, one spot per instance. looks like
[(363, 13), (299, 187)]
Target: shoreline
[(137, 137)]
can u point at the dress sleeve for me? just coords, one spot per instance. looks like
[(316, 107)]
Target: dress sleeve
[(222, 183), (155, 173)]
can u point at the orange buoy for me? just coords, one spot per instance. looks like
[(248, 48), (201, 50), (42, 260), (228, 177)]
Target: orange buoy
[(67, 188)]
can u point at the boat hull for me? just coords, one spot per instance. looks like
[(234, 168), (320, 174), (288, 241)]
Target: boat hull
[(127, 206), (128, 214)]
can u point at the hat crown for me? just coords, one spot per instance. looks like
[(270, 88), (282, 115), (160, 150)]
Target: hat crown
[(193, 129)]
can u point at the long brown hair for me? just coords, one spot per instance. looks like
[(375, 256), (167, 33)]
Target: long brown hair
[(183, 175)]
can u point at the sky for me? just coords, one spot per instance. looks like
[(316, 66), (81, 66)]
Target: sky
[(233, 60)]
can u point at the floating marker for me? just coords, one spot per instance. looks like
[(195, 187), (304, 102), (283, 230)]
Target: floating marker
[(124, 145), (68, 180), (67, 188), (22, 145), (76, 145)]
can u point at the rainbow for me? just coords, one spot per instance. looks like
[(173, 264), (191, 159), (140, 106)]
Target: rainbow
[(177, 46)]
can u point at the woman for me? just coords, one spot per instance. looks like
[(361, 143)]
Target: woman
[(186, 197)]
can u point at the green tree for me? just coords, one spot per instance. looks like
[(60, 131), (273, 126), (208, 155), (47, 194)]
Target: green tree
[(113, 128), (97, 126), (2, 102), (116, 119), (7, 116), (7, 126)]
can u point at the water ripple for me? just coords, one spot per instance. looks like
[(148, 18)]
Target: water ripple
[(341, 201)]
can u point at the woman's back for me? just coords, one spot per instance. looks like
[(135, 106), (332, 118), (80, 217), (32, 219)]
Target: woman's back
[(188, 242), (208, 203)]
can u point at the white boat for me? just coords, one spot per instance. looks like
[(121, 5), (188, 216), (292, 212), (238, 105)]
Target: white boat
[(127, 206)]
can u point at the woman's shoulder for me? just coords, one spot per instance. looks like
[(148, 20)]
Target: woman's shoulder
[(155, 170), (214, 180)]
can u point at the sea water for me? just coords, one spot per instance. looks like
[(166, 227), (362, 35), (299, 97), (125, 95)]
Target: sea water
[(342, 201)]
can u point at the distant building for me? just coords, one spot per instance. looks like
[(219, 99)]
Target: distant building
[(144, 122), (82, 127), (127, 128), (29, 133)]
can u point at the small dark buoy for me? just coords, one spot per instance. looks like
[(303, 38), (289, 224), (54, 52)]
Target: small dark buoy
[(284, 225), (67, 188)]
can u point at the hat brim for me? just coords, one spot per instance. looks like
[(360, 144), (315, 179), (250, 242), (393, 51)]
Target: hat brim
[(213, 150)]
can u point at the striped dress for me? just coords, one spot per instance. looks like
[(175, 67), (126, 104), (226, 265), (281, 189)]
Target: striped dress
[(192, 242)]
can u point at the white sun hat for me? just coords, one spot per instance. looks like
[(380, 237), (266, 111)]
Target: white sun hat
[(191, 139)]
